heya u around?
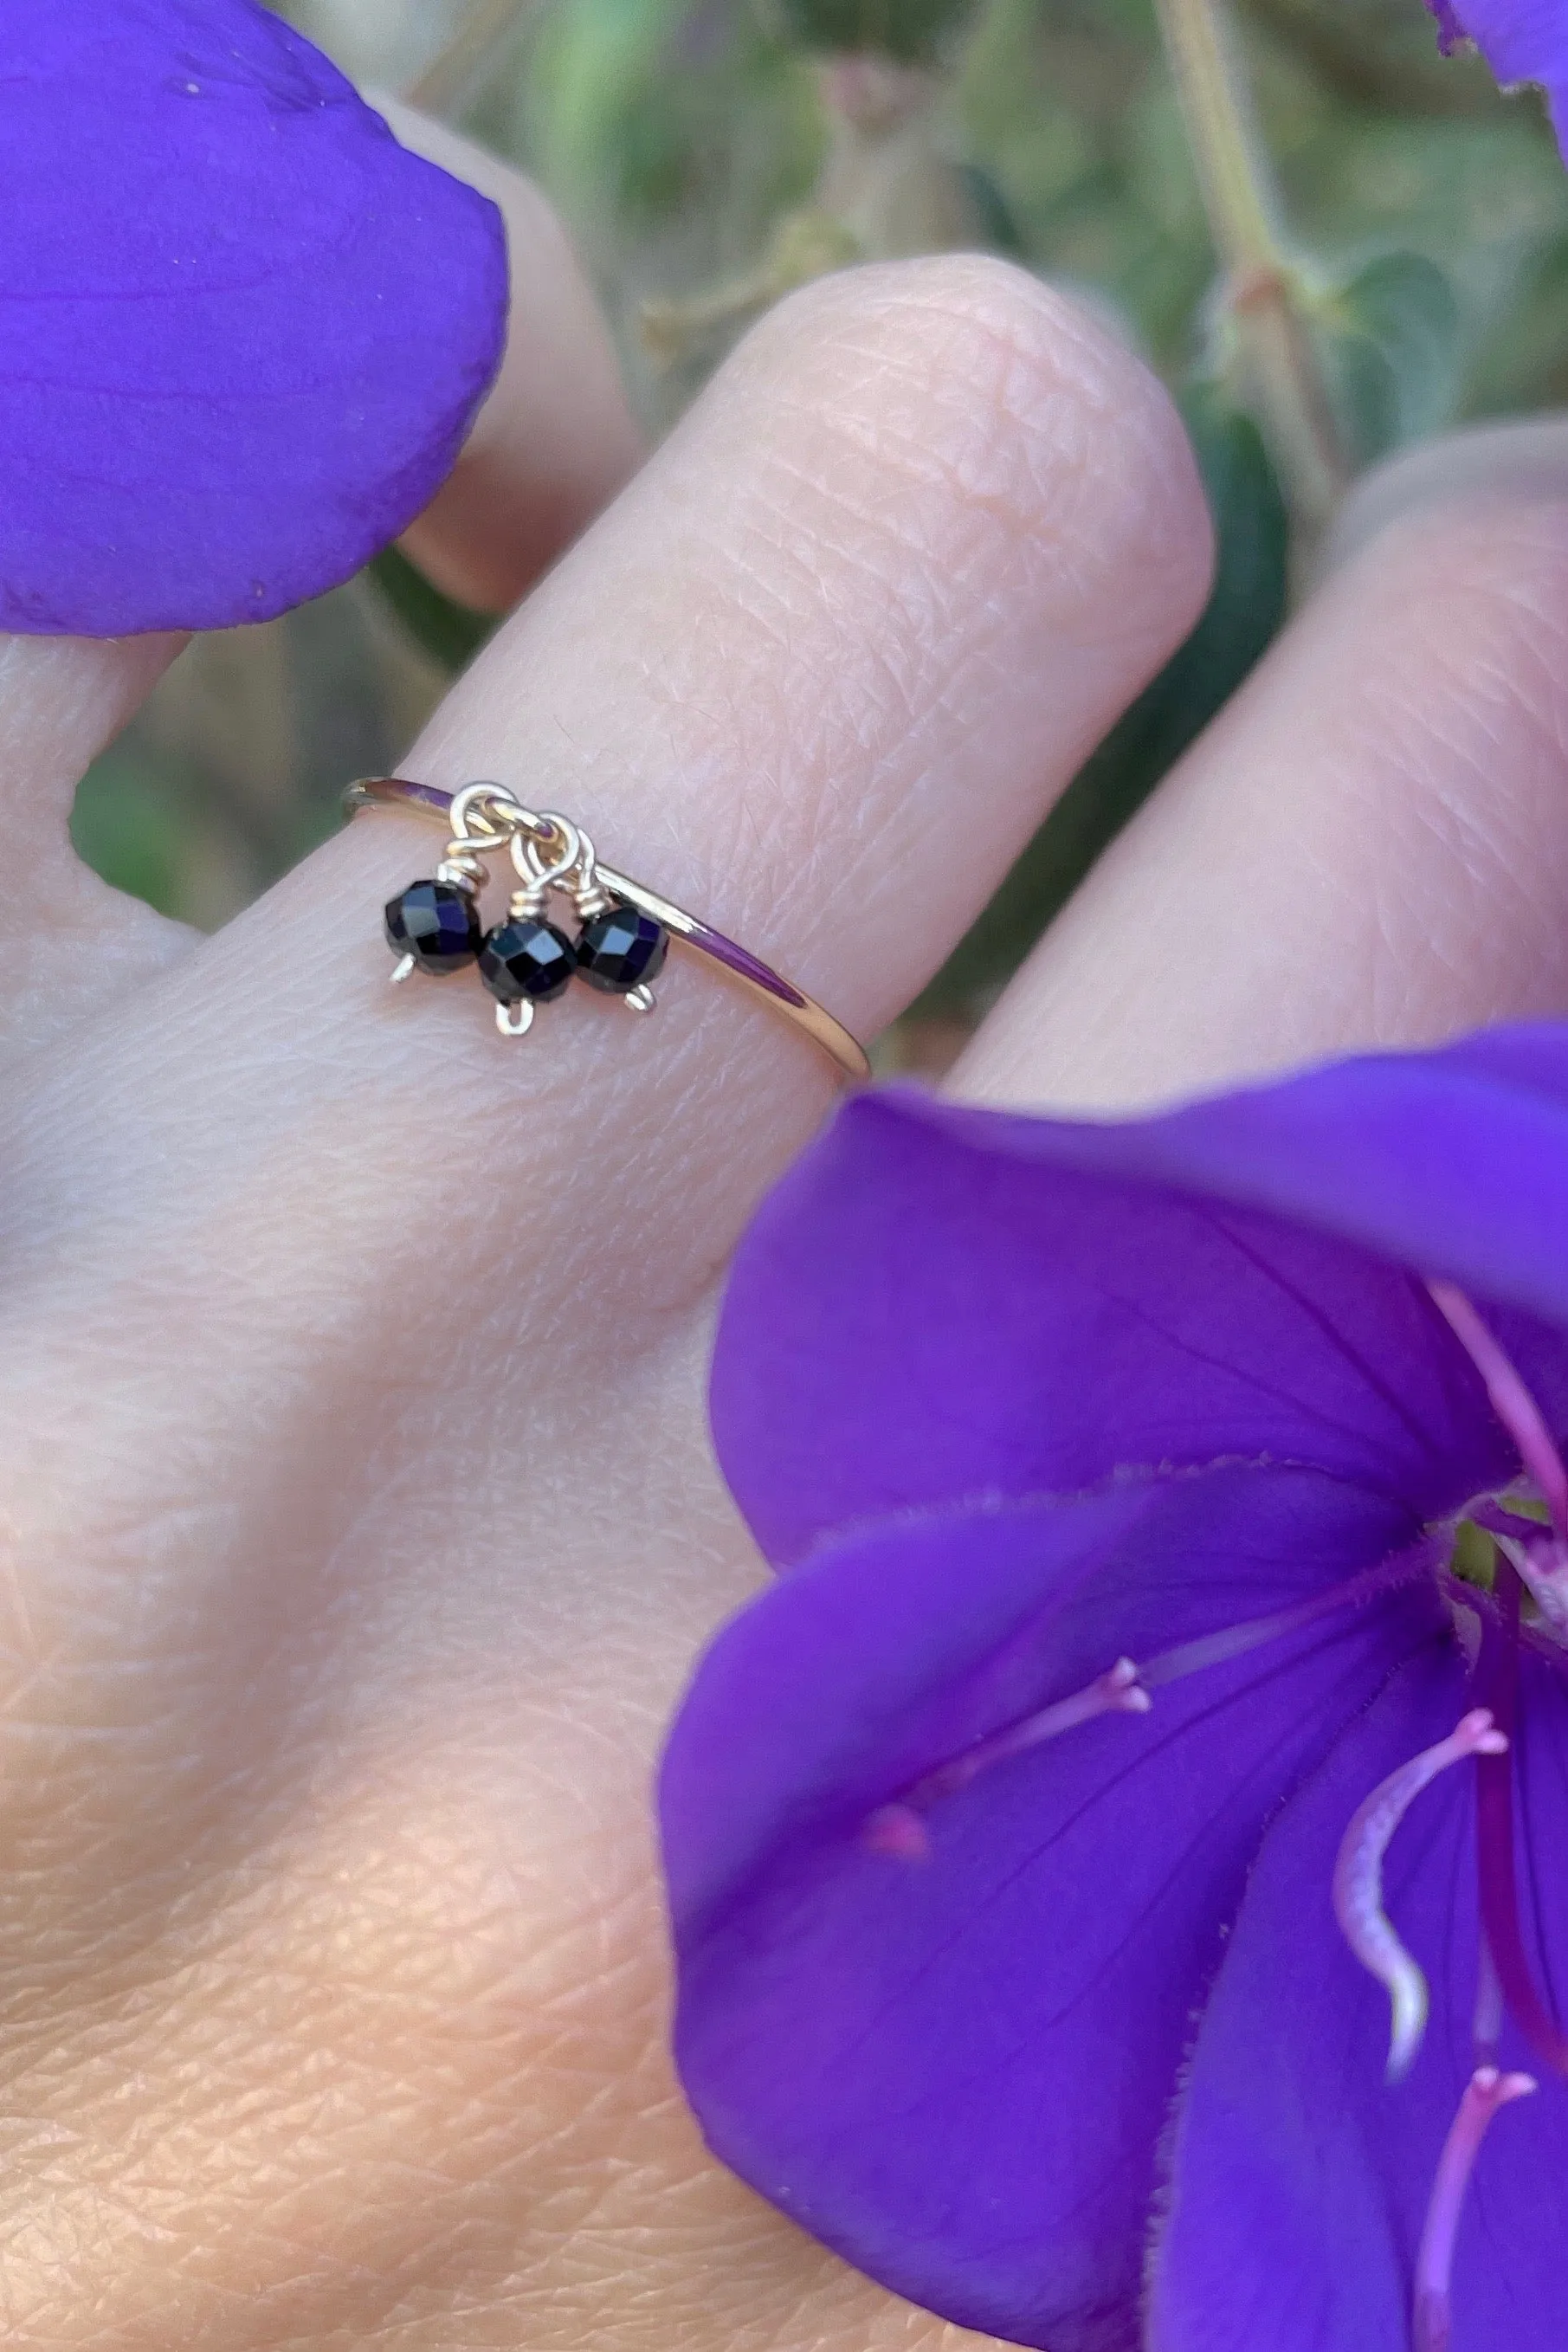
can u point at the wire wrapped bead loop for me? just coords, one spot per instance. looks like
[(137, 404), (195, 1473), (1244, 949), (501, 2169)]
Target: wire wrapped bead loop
[(624, 930)]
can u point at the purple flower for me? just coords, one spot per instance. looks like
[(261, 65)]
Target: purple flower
[(1521, 41), (1118, 1873), (242, 331)]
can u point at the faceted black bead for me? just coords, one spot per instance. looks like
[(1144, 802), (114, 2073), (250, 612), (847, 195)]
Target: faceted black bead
[(526, 959), (621, 949), (437, 925)]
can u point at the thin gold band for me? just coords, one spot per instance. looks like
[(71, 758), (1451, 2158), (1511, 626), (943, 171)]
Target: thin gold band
[(738, 963)]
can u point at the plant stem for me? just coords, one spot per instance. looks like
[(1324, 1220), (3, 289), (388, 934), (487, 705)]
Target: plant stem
[(453, 77), (1244, 218), (887, 189), (886, 173)]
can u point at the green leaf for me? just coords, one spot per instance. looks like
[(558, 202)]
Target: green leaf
[(1245, 608), (449, 633), (131, 825), (1389, 340)]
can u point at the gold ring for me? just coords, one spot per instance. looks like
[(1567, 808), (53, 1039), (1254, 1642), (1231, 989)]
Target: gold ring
[(527, 960)]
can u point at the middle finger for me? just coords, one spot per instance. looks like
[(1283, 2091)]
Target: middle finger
[(814, 677), (1367, 848)]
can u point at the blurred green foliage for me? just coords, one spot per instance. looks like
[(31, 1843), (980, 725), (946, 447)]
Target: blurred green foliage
[(702, 151), (909, 30), (448, 632), (1388, 341), (129, 825)]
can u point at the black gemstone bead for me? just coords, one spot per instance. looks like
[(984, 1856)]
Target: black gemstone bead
[(528, 959), (622, 949), (437, 925)]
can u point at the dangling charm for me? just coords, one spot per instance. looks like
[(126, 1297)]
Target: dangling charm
[(619, 950), (525, 960), (434, 926), (625, 928)]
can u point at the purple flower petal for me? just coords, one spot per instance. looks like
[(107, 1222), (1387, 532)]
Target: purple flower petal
[(1450, 32), (956, 2070), (1521, 40), (242, 331), (938, 1303), (1300, 2179)]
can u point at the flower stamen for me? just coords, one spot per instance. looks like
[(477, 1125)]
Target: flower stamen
[(898, 1829), (1486, 2094), (1118, 1691), (1234, 1641), (1358, 1879), (1511, 1399), (1486, 2025), (1499, 1680)]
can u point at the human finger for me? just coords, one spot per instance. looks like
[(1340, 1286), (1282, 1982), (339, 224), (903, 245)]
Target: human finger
[(1525, 458), (359, 1518), (62, 700), (556, 437), (1369, 847), (815, 677), (358, 1514)]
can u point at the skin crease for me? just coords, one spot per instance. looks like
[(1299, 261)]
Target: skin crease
[(359, 1523)]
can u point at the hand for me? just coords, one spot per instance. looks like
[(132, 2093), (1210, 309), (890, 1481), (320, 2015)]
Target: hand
[(360, 1524)]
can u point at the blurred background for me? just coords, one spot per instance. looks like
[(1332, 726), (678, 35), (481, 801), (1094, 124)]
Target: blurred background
[(1405, 266)]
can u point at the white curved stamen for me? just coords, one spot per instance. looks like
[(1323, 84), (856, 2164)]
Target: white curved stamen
[(1487, 2093), (1358, 1879)]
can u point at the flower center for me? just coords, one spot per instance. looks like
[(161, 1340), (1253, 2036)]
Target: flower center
[(1503, 1567)]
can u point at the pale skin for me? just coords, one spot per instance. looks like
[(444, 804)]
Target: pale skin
[(359, 1524)]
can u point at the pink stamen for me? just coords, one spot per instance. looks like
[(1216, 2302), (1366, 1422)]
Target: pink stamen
[(1116, 1692), (897, 1829), (1358, 1879), (1486, 2026), (1510, 1400), (1235, 1641), (1487, 2093), (1494, 1836)]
